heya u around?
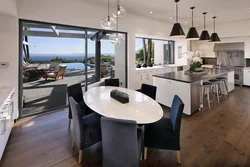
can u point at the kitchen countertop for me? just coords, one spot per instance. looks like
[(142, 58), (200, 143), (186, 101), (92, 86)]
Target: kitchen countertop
[(189, 78), (5, 91)]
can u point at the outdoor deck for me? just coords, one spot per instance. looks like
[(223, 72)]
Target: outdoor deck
[(44, 95)]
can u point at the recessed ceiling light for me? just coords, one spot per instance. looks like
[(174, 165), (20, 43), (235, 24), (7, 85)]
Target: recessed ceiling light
[(171, 18), (186, 22), (151, 12), (197, 25)]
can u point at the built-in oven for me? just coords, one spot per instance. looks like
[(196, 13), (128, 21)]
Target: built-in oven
[(238, 76)]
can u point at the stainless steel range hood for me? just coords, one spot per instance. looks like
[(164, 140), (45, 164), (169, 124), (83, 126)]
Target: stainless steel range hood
[(229, 47)]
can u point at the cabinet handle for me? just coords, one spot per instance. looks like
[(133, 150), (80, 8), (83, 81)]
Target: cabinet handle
[(4, 130)]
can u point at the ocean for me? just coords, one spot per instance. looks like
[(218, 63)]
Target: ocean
[(37, 58)]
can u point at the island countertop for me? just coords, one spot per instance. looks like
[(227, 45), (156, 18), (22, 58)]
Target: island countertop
[(190, 78)]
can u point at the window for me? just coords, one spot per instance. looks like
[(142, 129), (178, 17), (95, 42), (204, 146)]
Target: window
[(154, 52)]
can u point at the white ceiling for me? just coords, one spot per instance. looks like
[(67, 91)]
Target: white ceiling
[(8, 7), (225, 10)]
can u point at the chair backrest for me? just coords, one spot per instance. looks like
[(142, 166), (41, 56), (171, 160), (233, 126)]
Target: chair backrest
[(176, 113), (149, 90), (78, 128), (119, 142), (61, 70), (54, 66), (76, 92), (112, 82)]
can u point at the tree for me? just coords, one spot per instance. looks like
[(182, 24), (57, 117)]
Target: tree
[(140, 58), (149, 52), (144, 51)]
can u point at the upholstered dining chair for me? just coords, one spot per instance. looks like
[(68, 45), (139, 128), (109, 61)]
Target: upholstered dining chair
[(75, 91), (148, 90), (121, 143), (86, 130), (112, 82), (165, 134)]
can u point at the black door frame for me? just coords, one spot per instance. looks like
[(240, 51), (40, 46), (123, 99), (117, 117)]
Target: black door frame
[(20, 60)]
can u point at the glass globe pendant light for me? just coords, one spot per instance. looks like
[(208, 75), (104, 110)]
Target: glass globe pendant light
[(119, 11), (117, 38), (108, 23)]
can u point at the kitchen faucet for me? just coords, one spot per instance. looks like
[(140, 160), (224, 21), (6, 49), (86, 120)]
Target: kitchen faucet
[(220, 65)]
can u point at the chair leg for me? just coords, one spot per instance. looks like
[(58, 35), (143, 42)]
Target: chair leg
[(73, 144), (178, 157), (145, 152), (80, 156), (69, 123)]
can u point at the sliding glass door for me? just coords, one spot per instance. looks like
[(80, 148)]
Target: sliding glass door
[(54, 57)]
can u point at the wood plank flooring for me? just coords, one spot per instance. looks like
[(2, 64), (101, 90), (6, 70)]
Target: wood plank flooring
[(220, 137)]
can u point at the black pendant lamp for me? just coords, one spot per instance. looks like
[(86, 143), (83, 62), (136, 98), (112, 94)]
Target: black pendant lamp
[(205, 35), (215, 37), (192, 33), (177, 30)]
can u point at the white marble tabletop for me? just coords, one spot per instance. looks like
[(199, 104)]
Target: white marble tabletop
[(141, 108)]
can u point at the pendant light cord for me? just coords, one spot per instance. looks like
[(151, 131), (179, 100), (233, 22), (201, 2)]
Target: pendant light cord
[(204, 21), (117, 19), (108, 8), (177, 12), (214, 24), (192, 17)]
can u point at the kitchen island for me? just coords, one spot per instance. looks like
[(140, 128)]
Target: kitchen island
[(187, 86)]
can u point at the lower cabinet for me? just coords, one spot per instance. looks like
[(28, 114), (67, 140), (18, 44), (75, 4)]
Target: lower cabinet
[(6, 122), (246, 74)]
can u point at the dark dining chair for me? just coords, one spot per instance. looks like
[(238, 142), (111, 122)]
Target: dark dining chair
[(148, 90), (86, 130), (112, 82), (165, 134), (121, 143), (75, 91)]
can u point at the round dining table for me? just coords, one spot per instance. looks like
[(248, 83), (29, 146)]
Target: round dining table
[(140, 108)]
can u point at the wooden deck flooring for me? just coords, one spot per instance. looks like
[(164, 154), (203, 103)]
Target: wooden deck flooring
[(220, 137)]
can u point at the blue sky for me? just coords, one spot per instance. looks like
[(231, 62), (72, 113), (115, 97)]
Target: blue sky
[(46, 45)]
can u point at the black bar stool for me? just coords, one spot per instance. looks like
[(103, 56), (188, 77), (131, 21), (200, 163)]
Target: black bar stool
[(223, 81), (207, 88)]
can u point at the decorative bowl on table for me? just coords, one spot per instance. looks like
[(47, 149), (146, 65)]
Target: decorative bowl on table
[(119, 96)]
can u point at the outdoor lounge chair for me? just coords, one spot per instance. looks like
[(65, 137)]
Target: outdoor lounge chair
[(56, 75)]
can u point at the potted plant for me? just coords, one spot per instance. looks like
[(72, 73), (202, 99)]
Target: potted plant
[(195, 62)]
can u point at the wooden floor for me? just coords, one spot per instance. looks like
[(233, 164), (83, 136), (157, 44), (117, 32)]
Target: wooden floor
[(220, 137)]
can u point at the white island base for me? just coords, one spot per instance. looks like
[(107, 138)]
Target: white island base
[(188, 92)]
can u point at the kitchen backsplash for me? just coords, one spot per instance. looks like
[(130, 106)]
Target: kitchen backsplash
[(210, 61)]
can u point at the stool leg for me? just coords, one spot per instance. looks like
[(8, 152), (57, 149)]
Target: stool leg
[(217, 93), (208, 98), (226, 87)]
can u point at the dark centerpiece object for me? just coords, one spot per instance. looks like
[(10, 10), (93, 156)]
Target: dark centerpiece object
[(119, 96)]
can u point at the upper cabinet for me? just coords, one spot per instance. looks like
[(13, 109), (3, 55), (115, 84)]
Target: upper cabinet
[(206, 48)]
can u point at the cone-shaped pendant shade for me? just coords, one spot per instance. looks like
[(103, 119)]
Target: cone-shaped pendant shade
[(193, 34), (177, 31), (205, 35), (214, 36)]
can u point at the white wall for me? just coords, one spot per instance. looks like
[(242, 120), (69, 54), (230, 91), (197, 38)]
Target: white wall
[(159, 52), (229, 32), (9, 52)]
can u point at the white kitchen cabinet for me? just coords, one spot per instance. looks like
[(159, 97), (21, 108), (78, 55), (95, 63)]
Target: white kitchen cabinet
[(246, 76), (6, 118)]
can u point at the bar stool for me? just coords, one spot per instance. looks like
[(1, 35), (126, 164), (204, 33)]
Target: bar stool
[(207, 88), (223, 81), (216, 84)]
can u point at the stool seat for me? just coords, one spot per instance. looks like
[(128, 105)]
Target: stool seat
[(206, 83), (221, 78), (214, 80)]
